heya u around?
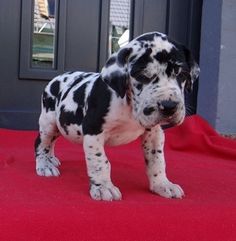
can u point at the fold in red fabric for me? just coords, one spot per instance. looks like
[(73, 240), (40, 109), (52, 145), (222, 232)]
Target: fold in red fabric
[(38, 208)]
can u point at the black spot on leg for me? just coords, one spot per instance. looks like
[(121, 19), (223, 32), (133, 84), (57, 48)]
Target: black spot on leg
[(153, 152), (159, 151), (92, 182), (98, 154), (146, 161)]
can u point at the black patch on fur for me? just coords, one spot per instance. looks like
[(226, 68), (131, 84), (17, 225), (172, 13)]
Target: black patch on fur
[(98, 107), (65, 79), (139, 86), (110, 61), (58, 98), (132, 58), (69, 117), (123, 55), (55, 88), (76, 81), (162, 56), (118, 82), (98, 154), (156, 80), (79, 95), (139, 65), (169, 69), (86, 75), (164, 38), (148, 110), (182, 77), (48, 102)]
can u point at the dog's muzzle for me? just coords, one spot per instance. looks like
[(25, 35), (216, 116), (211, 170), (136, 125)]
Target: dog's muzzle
[(164, 112), (166, 108)]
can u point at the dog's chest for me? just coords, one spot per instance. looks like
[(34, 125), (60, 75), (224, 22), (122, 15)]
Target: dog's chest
[(122, 134), (121, 128)]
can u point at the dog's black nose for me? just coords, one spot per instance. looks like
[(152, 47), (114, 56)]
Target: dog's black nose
[(167, 107), (148, 110)]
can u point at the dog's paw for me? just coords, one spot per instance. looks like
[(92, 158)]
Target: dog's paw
[(168, 189), (105, 192), (46, 167)]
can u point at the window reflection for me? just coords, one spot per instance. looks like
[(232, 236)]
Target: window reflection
[(119, 33), (43, 39)]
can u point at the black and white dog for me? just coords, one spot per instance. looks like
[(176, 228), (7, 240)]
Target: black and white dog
[(140, 89)]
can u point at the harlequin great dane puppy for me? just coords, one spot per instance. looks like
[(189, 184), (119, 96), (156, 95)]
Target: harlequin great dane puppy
[(140, 89)]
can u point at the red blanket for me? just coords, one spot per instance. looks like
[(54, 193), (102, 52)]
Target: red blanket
[(38, 208)]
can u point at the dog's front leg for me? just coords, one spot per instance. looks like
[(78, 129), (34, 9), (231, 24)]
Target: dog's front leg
[(99, 169), (153, 145)]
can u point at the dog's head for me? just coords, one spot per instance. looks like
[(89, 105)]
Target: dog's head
[(154, 72)]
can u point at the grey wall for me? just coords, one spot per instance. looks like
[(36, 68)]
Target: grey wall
[(226, 118), (217, 88)]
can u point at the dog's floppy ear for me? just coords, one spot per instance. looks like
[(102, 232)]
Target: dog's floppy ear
[(193, 67), (115, 72)]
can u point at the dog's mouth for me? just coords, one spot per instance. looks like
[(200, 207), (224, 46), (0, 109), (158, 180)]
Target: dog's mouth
[(172, 123)]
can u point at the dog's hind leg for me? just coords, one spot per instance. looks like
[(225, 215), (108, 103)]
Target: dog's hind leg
[(46, 162)]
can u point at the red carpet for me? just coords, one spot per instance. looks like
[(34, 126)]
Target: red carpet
[(37, 208)]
